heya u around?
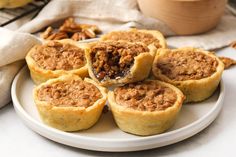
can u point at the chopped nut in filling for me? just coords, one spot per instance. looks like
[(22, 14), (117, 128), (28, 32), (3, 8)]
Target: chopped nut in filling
[(114, 59), (187, 65), (57, 56), (145, 96), (70, 94), (136, 36)]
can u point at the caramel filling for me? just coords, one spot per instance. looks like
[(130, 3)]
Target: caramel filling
[(145, 96), (112, 60), (136, 36), (187, 65), (70, 94), (57, 56)]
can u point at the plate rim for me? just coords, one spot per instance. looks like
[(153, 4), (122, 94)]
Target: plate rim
[(56, 135)]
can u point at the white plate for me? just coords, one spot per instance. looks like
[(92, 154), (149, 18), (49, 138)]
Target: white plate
[(105, 135)]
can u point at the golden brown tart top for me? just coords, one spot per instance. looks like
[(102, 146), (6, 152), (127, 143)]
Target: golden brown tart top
[(73, 93), (134, 36), (145, 96), (113, 59), (59, 56), (187, 65)]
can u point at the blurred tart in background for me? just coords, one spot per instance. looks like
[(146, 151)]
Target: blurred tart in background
[(148, 37), (13, 3)]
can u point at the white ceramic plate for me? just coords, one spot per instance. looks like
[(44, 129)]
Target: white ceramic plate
[(105, 135)]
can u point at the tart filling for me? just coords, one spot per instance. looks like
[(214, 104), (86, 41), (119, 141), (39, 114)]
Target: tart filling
[(59, 56), (113, 60), (73, 93), (195, 72), (187, 65), (134, 36), (55, 58), (145, 96)]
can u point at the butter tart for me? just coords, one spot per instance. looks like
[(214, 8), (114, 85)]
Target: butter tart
[(69, 103), (118, 62), (194, 71), (55, 58), (145, 108), (148, 37)]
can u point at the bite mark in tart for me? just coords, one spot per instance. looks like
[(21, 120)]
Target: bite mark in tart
[(56, 58), (148, 37), (194, 71), (68, 103), (145, 108), (118, 62)]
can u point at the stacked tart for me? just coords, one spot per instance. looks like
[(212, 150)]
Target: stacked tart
[(194, 71), (56, 58), (69, 103)]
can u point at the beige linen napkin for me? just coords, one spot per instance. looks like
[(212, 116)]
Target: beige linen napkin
[(13, 48)]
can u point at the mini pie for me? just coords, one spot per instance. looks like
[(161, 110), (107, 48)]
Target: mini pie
[(148, 37), (68, 103), (145, 108), (194, 71), (118, 62), (56, 58)]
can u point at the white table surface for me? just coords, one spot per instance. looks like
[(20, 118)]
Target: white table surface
[(218, 140)]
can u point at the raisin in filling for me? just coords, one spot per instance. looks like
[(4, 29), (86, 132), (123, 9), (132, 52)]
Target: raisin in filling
[(113, 59)]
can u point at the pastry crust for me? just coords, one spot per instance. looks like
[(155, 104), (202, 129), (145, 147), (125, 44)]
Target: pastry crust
[(138, 71), (69, 118), (146, 122), (39, 75), (158, 35), (194, 89)]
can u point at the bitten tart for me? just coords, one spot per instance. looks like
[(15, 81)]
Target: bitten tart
[(68, 103), (56, 58), (145, 108), (194, 71), (148, 37), (118, 62)]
